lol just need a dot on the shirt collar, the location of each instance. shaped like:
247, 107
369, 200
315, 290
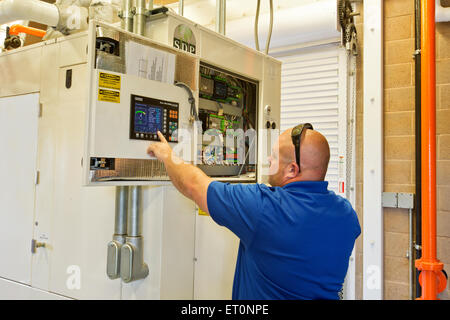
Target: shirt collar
308, 186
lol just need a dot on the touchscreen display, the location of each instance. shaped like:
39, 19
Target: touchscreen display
149, 115
147, 119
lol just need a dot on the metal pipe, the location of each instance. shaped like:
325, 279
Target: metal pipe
181, 7
140, 18
135, 213
120, 222
33, 10
418, 160
221, 15
127, 15
410, 256
15, 29
132, 265
428, 264
119, 237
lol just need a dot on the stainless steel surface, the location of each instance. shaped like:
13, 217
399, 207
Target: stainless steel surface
406, 200
389, 199
119, 237
125, 257
120, 225
132, 265
127, 15
135, 214
140, 17
221, 16
113, 260
181, 7
103, 32
126, 263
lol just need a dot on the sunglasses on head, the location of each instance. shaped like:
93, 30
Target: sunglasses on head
296, 136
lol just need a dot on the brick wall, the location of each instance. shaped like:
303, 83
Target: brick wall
399, 151
399, 148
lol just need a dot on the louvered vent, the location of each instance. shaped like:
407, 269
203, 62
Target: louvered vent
311, 91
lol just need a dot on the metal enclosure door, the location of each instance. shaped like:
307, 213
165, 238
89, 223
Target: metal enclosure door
216, 250
18, 145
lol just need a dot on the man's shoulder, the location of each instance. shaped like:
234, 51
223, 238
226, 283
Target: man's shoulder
243, 186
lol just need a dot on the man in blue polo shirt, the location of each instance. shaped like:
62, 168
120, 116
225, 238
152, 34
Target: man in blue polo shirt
296, 237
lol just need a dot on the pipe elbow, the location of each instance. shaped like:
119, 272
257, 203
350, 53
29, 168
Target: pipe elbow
33, 10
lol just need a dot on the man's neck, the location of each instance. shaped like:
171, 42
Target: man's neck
303, 176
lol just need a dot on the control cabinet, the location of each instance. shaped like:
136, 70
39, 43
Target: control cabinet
95, 100
216, 119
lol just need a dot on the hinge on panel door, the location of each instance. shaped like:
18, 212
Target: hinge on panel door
40, 110
35, 245
37, 177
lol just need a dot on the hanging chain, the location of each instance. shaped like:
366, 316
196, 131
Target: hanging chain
350, 126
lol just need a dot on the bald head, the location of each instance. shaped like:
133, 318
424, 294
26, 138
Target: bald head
314, 158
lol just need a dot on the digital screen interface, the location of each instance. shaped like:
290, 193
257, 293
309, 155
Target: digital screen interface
149, 115
147, 118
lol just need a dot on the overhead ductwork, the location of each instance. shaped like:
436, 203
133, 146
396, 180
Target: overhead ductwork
32, 10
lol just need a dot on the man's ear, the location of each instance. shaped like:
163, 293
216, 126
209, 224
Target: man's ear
291, 170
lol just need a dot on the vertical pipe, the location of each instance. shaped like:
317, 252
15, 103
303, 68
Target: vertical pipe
135, 213
120, 233
140, 18
428, 264
418, 160
410, 256
127, 16
181, 7
428, 127
120, 225
221, 16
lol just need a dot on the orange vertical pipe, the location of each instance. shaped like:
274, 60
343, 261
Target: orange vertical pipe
428, 264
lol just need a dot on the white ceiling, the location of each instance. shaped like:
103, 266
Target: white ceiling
204, 11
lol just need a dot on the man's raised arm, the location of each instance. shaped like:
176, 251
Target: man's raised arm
188, 179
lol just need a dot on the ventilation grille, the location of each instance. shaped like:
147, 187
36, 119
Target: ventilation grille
310, 92
132, 169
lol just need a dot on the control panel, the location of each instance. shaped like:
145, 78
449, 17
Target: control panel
227, 111
150, 115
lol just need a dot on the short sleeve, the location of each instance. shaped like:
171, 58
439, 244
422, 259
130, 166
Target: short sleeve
236, 207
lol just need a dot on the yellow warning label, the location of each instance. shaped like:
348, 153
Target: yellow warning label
108, 80
109, 95
202, 213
